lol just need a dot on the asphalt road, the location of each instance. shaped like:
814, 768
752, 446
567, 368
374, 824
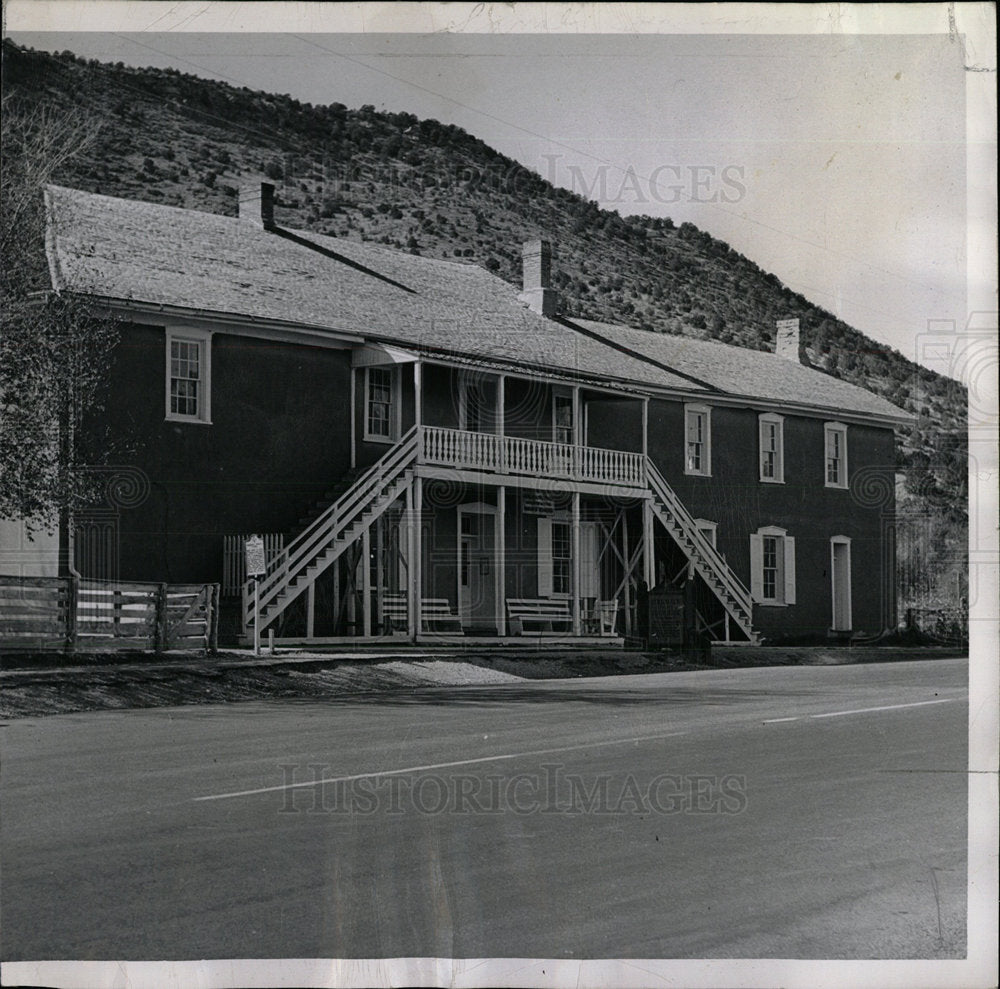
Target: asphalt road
792, 813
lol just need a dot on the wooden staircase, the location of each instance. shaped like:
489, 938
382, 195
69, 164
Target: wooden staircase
706, 559
331, 532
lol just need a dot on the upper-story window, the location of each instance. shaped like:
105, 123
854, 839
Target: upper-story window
381, 404
477, 404
835, 442
189, 365
698, 440
772, 566
772, 448
562, 418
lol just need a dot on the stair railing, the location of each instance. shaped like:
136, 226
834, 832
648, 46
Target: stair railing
340, 516
713, 559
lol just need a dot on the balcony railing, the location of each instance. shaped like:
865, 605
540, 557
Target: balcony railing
533, 458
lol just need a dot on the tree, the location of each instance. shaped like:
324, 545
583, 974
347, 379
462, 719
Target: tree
54, 348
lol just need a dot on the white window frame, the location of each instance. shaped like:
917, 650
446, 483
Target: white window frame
566, 395
546, 560
690, 411
203, 340
764, 421
708, 530
395, 404
830, 430
834, 542
785, 584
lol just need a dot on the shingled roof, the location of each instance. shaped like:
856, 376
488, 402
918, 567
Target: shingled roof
738, 371
155, 255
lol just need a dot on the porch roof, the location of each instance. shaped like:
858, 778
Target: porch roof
146, 253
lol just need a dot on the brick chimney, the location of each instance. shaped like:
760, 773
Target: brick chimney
257, 204
536, 260
787, 343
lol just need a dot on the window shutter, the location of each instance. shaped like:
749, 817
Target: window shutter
757, 568
789, 570
544, 558
779, 442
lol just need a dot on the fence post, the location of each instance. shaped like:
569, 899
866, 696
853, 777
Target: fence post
116, 614
160, 642
213, 619
72, 597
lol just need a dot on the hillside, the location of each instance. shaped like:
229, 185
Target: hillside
433, 189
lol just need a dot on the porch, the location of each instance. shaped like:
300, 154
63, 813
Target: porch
477, 532
456, 557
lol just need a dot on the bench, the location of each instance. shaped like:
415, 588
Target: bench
542, 612
603, 616
435, 614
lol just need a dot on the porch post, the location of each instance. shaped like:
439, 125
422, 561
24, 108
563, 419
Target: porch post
645, 426
627, 573
366, 583
379, 570
351, 575
311, 610
501, 423
577, 427
418, 551
501, 581
648, 554
411, 587
354, 427
576, 562
336, 596
418, 393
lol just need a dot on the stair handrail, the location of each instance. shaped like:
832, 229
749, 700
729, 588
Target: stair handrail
735, 586
336, 517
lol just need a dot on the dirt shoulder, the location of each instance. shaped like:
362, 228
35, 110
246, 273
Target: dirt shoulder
36, 686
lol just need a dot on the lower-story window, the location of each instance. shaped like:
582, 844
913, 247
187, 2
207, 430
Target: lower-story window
562, 558
772, 566
555, 557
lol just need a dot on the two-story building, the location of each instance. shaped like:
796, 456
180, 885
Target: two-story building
431, 451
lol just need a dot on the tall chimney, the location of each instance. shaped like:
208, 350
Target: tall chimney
536, 260
787, 343
257, 204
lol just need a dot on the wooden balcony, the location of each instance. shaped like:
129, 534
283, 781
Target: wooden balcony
512, 455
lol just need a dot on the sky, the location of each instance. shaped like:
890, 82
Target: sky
835, 161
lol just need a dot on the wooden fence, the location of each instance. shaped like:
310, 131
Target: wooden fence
73, 614
234, 564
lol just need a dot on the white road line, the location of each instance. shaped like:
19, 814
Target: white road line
859, 710
890, 707
438, 765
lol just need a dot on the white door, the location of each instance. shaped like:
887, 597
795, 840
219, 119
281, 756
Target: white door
477, 569
840, 580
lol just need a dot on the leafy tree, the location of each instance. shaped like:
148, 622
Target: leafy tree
54, 348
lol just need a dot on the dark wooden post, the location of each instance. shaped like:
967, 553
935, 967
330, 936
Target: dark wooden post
213, 619
72, 598
116, 614
160, 642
